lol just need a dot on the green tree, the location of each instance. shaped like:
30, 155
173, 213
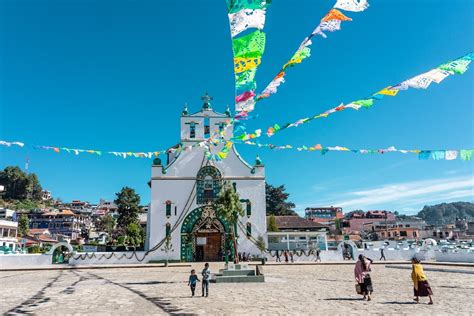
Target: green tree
229, 206
276, 200
272, 225
447, 213
23, 225
19, 185
128, 207
35, 249
26, 205
134, 234
107, 224
15, 182
338, 226
33, 187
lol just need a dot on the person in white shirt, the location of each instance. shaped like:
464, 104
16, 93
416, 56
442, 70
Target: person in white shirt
206, 276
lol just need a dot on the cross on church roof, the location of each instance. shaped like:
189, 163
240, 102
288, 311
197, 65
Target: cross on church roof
206, 98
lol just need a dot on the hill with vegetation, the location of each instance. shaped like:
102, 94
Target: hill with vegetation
22, 191
447, 213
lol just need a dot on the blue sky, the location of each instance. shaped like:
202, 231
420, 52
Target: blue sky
114, 75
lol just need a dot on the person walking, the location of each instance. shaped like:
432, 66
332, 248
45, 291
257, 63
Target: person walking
421, 287
193, 279
382, 254
206, 276
362, 276
278, 259
285, 254
318, 255
291, 256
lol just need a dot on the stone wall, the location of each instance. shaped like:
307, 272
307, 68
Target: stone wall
454, 256
394, 255
24, 260
98, 258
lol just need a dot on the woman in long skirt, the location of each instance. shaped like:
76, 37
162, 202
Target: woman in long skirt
362, 276
421, 287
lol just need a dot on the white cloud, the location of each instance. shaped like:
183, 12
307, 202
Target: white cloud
408, 195
451, 172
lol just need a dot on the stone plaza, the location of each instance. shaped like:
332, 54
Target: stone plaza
288, 289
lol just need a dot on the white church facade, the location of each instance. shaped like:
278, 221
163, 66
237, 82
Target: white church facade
184, 187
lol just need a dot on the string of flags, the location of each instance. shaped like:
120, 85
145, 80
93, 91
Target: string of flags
422, 81
124, 155
150, 154
331, 22
463, 154
222, 154
247, 49
212, 143
9, 144
208, 144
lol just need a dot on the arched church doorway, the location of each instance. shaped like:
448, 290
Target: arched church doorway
205, 236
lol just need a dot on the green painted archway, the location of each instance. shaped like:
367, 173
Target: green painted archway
199, 216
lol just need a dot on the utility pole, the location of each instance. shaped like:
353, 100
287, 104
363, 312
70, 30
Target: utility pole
27, 164
28, 188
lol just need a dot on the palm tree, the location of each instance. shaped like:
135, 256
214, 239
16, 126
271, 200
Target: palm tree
228, 205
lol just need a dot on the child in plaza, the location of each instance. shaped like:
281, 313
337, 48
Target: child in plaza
193, 279
421, 287
206, 276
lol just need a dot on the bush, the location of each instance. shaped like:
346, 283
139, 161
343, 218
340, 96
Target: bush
121, 240
35, 249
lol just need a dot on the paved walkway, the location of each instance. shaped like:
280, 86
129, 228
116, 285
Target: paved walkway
162, 265
303, 289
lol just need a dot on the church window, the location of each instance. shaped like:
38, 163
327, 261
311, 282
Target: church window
208, 188
207, 131
168, 230
175, 210
249, 230
192, 130
249, 208
208, 184
168, 208
221, 127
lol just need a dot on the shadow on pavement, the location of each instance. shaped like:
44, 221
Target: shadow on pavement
343, 299
151, 282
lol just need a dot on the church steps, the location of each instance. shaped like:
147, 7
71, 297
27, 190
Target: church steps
224, 272
238, 279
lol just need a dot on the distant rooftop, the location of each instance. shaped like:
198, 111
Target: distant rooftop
63, 212
296, 223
